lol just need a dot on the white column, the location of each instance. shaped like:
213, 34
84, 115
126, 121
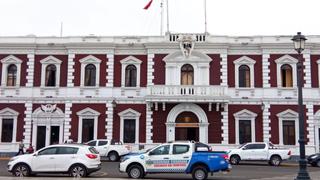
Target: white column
307, 68
225, 124
150, 71
70, 77
30, 70
67, 121
224, 69
149, 119
265, 70
109, 120
266, 122
27, 123
110, 70
311, 123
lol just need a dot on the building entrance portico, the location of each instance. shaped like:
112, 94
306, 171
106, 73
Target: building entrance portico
187, 121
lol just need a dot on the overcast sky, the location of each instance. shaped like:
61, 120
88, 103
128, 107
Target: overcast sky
127, 17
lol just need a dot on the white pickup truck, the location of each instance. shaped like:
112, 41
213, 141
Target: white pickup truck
110, 148
259, 152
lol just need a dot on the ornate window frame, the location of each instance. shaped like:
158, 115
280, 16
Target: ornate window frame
130, 60
88, 113
245, 115
291, 61
129, 114
291, 116
6, 62
90, 59
8, 113
44, 64
244, 60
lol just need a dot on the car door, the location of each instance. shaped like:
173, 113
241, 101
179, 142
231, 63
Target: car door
158, 160
65, 157
44, 160
181, 155
260, 151
102, 147
247, 152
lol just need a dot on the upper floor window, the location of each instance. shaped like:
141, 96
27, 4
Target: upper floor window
90, 71
51, 71
130, 72
11, 70
286, 75
187, 75
12, 75
244, 76
286, 71
244, 72
131, 76
90, 75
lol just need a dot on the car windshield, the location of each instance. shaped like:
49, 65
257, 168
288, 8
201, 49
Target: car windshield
241, 145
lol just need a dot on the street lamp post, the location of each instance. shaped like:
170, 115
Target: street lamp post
299, 42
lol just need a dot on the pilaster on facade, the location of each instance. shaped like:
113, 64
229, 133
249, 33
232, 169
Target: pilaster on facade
110, 70
310, 123
109, 120
224, 69
67, 121
70, 77
30, 70
266, 123
27, 123
150, 71
266, 70
149, 120
307, 69
225, 124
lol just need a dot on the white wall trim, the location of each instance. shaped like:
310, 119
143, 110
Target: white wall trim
70, 74
110, 70
130, 60
5, 64
245, 115
244, 60
8, 113
46, 62
317, 126
266, 70
287, 59
318, 62
288, 115
88, 113
90, 59
129, 114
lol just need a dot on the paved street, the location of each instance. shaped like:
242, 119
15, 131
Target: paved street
243, 171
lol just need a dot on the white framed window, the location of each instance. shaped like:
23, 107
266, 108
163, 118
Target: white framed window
288, 124
8, 77
246, 119
50, 72
88, 124
284, 78
130, 72
8, 125
247, 77
318, 72
90, 65
129, 125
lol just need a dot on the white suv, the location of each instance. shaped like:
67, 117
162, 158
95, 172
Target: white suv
110, 148
76, 160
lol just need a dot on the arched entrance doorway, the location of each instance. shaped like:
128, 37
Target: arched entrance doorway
187, 127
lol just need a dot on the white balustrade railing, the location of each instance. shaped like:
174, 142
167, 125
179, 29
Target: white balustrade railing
196, 90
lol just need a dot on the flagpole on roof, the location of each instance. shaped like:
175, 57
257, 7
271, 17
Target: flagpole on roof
205, 16
161, 26
167, 17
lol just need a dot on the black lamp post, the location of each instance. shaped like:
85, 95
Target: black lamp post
299, 42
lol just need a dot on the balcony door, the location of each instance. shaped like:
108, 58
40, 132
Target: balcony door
187, 75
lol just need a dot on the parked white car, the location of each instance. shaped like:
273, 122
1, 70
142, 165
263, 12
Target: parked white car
110, 148
259, 152
76, 160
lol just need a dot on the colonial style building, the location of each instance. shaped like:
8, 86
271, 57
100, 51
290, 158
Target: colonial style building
146, 90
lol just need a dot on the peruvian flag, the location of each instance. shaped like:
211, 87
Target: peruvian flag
148, 5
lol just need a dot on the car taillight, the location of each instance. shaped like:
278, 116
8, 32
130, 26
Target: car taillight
225, 156
91, 156
289, 153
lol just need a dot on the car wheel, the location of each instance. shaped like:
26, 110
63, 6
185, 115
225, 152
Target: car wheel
21, 170
113, 156
135, 172
275, 161
78, 171
318, 163
199, 173
234, 160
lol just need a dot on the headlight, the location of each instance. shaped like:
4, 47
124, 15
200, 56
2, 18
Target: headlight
124, 159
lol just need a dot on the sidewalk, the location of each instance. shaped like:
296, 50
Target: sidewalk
315, 175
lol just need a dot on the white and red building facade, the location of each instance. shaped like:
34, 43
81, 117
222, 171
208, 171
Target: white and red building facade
147, 90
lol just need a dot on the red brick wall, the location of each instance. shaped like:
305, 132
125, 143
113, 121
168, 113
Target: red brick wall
314, 71
215, 68
23, 75
159, 69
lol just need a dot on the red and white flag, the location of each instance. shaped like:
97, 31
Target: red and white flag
148, 5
